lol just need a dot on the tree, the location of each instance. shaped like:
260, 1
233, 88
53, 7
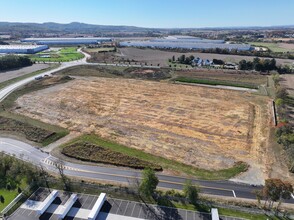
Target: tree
173, 58
279, 102
191, 192
275, 190
59, 165
242, 64
2, 200
148, 183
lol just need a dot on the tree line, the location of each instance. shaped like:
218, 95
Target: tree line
11, 62
285, 130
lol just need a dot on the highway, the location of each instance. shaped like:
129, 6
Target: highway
36, 156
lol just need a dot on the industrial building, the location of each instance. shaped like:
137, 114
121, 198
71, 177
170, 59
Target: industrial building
185, 42
67, 41
22, 49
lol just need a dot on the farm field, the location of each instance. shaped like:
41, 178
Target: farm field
155, 57
99, 50
275, 47
232, 77
191, 125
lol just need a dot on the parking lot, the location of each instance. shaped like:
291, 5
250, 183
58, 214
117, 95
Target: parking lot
112, 209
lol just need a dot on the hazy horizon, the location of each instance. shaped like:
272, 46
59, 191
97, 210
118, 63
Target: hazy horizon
152, 14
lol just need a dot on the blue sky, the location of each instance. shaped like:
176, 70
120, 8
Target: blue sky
152, 13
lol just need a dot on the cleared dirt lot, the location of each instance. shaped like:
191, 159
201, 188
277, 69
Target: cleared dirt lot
7, 75
189, 124
161, 57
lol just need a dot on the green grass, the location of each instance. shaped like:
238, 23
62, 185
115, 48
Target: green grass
164, 163
274, 47
215, 82
178, 65
63, 55
95, 153
236, 213
14, 80
99, 50
9, 195
222, 211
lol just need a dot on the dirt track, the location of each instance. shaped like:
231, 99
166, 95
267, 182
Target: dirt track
189, 124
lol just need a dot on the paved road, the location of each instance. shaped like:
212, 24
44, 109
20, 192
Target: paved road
37, 157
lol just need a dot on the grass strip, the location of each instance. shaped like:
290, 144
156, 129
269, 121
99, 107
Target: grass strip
93, 153
163, 162
215, 82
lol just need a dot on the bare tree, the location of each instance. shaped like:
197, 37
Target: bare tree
59, 165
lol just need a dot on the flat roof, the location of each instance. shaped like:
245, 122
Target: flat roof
112, 209
19, 46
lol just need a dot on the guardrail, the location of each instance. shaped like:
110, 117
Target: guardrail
12, 203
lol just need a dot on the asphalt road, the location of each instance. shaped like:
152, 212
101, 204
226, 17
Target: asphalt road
32, 154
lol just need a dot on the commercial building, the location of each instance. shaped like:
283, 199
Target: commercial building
185, 42
67, 41
22, 49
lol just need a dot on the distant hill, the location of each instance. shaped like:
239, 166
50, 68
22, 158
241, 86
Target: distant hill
74, 27
82, 28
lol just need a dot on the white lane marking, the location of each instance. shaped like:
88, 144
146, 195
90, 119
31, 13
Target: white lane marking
234, 193
126, 208
133, 209
118, 207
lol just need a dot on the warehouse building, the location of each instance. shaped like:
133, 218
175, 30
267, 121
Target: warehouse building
22, 49
67, 41
185, 42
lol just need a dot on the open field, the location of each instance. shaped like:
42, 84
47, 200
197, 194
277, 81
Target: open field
7, 75
190, 125
99, 50
161, 57
287, 81
275, 47
118, 72
28, 128
224, 75
63, 55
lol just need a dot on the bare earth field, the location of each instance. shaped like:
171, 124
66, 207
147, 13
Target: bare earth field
287, 81
161, 57
7, 75
203, 127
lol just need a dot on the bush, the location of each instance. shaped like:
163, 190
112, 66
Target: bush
11, 62
2, 200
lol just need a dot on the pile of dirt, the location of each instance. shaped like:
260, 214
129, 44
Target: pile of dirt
89, 152
118, 72
31, 133
147, 73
